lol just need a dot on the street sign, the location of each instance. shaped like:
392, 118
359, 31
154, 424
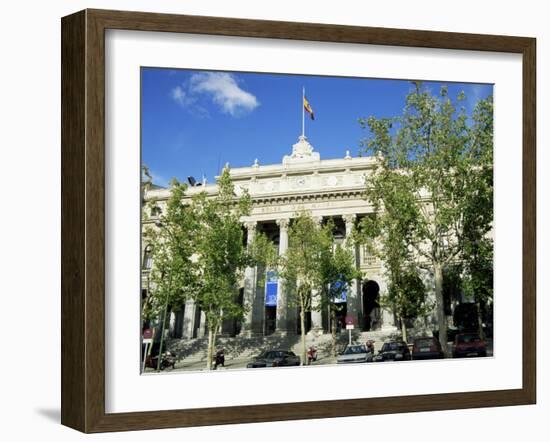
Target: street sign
147, 338
350, 320
147, 335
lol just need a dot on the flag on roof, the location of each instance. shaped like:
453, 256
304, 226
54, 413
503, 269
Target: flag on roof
308, 108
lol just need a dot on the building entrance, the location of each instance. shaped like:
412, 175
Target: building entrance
270, 318
341, 313
371, 307
307, 322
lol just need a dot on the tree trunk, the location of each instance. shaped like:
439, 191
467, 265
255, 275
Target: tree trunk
214, 337
441, 317
163, 326
403, 329
303, 332
162, 329
210, 349
333, 330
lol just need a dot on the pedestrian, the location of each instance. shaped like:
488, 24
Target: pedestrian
219, 358
370, 346
311, 355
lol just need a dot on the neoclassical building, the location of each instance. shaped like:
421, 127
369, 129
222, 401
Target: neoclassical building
327, 188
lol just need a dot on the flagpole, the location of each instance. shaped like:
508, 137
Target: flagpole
303, 111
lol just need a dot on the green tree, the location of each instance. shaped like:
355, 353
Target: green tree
432, 164
299, 269
169, 239
387, 234
264, 254
477, 282
407, 296
477, 256
337, 272
220, 255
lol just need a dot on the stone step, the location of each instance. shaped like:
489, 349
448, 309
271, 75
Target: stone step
195, 350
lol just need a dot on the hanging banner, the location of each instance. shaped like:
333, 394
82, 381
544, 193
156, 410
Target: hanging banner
340, 295
271, 287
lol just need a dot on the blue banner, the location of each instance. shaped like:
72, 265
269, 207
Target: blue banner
271, 287
339, 296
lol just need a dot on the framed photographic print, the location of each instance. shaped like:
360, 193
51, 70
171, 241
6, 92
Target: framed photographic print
274, 220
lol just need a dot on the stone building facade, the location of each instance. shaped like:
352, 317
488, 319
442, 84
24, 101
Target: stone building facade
327, 188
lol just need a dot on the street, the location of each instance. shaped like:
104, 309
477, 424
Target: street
197, 363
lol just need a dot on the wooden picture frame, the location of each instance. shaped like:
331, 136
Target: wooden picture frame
83, 219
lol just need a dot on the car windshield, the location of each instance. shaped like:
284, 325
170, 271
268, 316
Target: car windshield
355, 349
427, 342
272, 354
468, 338
392, 346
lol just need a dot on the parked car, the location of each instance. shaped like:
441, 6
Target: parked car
393, 351
355, 353
427, 347
451, 333
274, 358
469, 345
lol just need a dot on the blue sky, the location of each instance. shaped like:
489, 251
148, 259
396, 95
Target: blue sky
193, 122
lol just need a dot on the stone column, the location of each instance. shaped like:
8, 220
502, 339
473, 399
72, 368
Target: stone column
188, 319
172, 324
202, 325
316, 313
282, 322
387, 322
249, 294
353, 298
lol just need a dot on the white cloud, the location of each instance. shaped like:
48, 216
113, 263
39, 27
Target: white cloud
181, 97
221, 88
224, 90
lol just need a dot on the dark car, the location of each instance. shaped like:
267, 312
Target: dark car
427, 347
469, 345
393, 351
274, 358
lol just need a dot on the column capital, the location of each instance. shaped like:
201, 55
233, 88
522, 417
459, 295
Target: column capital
349, 218
283, 223
318, 220
251, 225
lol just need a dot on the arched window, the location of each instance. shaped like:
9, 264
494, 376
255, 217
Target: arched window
148, 258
